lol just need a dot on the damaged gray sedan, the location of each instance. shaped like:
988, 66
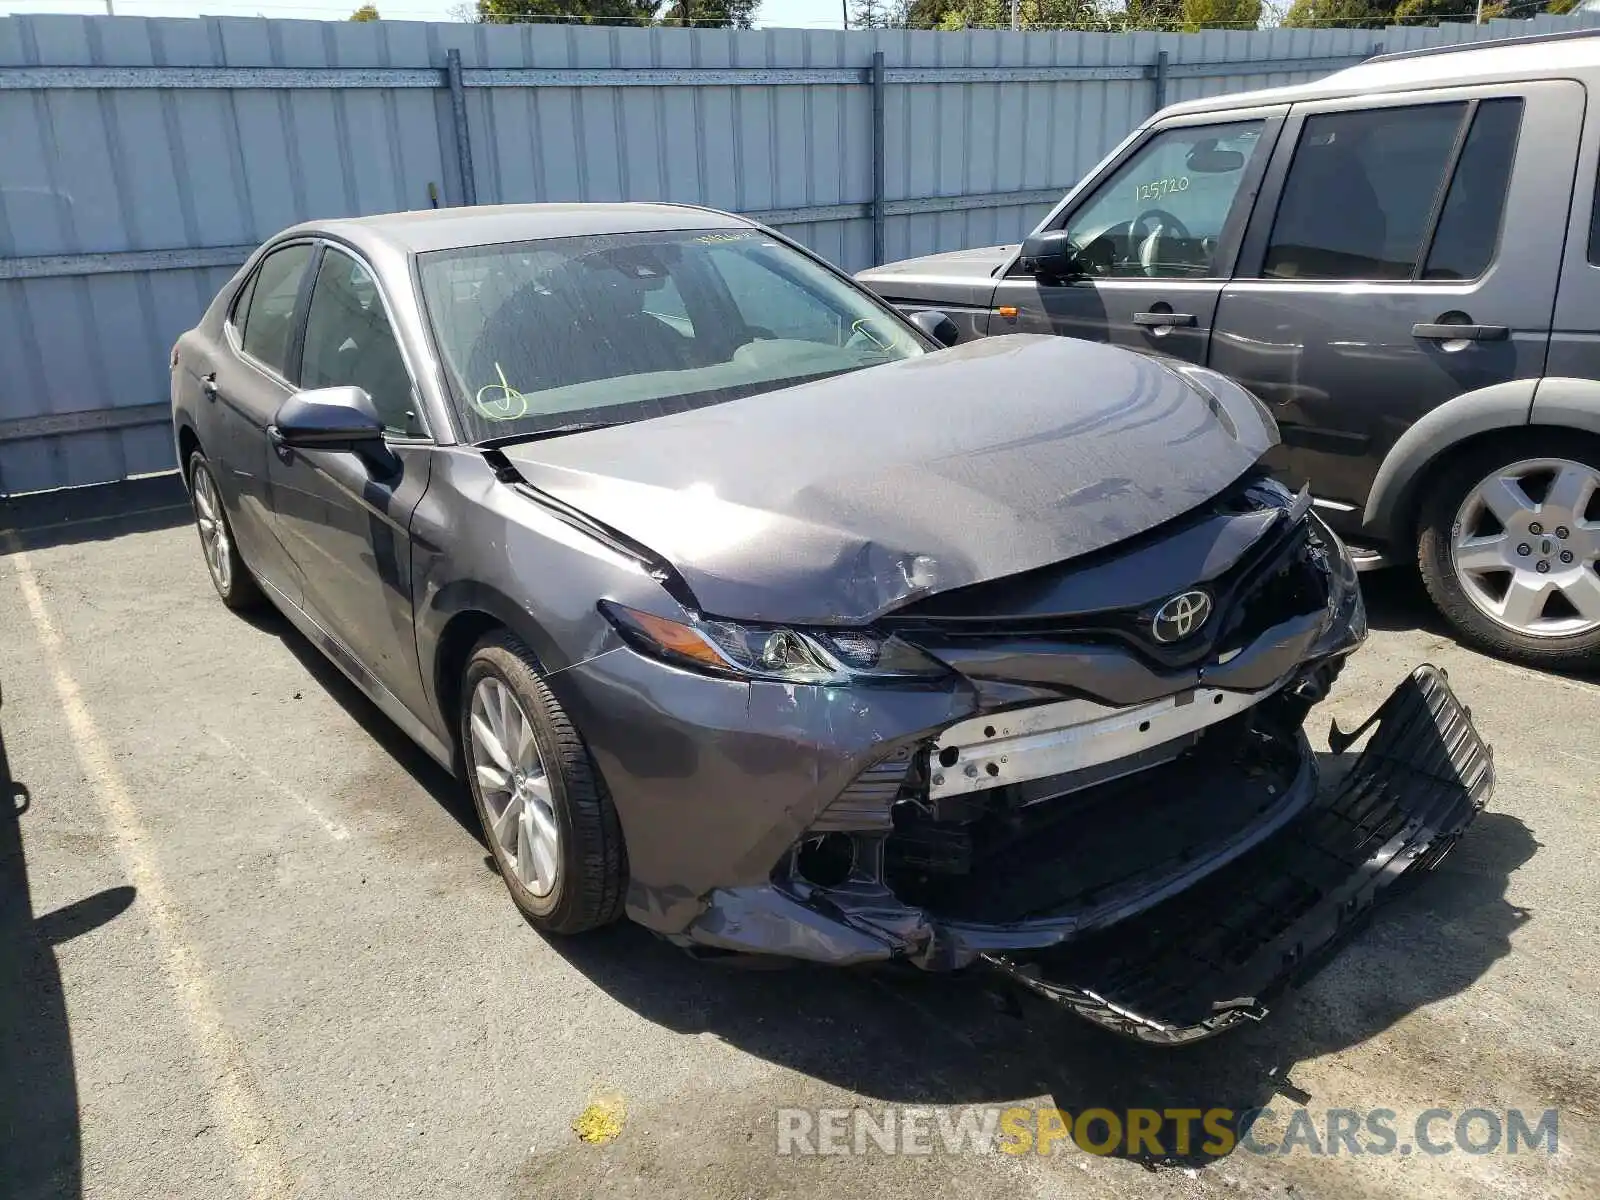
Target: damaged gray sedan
747, 610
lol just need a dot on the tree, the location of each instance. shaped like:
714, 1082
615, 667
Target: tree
723, 14
990, 14
1221, 14
1341, 14
367, 12
1155, 14
738, 14
871, 14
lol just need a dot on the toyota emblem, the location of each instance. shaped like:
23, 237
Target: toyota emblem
1180, 616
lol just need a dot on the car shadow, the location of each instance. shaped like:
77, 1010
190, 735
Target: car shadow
40, 1143
446, 790
904, 1037
1397, 601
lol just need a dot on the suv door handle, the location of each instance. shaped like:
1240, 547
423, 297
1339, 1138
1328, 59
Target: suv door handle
208, 385
1165, 320
1465, 333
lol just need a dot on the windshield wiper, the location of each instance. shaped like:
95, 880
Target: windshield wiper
538, 435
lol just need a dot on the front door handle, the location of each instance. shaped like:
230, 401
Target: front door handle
1165, 320
1465, 333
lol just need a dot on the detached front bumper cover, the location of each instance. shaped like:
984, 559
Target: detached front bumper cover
1216, 954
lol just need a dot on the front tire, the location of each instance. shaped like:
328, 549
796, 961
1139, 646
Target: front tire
229, 575
545, 810
1507, 543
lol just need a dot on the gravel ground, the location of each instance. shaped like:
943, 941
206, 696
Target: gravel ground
252, 947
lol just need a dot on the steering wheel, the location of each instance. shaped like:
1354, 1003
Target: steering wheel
1161, 224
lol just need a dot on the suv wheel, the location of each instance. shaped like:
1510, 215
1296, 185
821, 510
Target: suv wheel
1508, 541
546, 814
231, 577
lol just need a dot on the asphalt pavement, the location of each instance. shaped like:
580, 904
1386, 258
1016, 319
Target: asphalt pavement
250, 945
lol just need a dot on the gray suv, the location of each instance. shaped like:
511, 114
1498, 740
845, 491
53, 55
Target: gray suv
1403, 261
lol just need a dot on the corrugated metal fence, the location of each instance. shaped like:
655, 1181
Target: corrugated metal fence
141, 160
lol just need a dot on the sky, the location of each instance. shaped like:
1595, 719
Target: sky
805, 14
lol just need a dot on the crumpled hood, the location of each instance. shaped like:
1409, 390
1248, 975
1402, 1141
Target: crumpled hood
840, 500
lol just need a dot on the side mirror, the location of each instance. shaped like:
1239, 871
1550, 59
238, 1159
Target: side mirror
331, 418
936, 325
1050, 255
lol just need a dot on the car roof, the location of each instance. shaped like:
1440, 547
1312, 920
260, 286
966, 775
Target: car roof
1569, 54
428, 229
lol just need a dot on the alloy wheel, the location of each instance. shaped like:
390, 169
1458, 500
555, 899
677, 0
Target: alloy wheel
213, 529
1525, 543
515, 787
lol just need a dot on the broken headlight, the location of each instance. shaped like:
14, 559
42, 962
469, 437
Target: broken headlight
1347, 611
778, 652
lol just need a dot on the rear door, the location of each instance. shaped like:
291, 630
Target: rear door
245, 384
1158, 233
1403, 252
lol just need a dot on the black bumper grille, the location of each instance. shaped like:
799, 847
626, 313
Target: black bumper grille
1216, 953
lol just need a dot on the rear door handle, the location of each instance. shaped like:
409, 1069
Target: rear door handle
1465, 333
1165, 320
208, 385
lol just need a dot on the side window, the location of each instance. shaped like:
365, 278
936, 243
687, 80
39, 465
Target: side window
1360, 192
268, 310
1594, 226
774, 306
349, 341
1162, 212
241, 302
1469, 224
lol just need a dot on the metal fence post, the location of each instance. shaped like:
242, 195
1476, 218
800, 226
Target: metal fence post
878, 150
458, 110
1161, 79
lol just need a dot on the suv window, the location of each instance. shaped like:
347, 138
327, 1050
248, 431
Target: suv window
1162, 212
349, 341
1360, 192
1469, 224
1594, 227
267, 311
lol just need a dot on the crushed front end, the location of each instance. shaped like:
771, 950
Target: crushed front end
1129, 818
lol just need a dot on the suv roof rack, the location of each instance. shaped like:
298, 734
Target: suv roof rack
1528, 39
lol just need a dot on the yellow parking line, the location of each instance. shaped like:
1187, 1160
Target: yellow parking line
234, 1093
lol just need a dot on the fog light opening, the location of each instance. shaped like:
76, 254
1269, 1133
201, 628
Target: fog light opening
826, 861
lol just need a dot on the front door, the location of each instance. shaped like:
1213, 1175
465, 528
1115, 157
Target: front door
345, 516
1156, 237
1379, 278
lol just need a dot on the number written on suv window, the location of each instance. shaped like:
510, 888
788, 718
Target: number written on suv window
1162, 212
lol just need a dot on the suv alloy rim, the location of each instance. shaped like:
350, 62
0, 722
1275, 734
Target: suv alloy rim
515, 787
1525, 551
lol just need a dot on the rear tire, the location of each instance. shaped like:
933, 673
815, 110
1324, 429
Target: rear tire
546, 814
229, 575
1507, 541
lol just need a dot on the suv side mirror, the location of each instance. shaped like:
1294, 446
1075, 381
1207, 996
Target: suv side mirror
936, 325
331, 418
1050, 255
